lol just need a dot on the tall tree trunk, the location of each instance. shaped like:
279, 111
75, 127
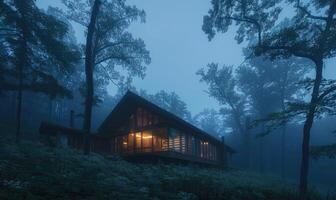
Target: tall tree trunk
50, 108
283, 149
19, 105
261, 156
22, 61
261, 150
89, 76
13, 107
247, 143
306, 131
283, 139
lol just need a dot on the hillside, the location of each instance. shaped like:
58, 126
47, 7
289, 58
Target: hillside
35, 171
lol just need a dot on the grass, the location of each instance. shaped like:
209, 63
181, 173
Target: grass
35, 171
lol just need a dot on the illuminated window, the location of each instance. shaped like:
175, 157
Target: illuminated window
202, 149
160, 139
124, 143
174, 140
138, 141
188, 144
165, 144
147, 141
157, 142
130, 146
205, 149
183, 142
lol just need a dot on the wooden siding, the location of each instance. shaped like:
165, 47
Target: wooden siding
144, 135
137, 127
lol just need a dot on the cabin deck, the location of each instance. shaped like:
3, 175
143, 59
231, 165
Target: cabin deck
163, 156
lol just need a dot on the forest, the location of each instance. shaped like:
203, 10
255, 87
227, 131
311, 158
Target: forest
69, 62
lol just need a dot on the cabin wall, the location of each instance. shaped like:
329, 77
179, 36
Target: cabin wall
165, 139
146, 132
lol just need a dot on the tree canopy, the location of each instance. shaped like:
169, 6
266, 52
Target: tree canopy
310, 32
34, 40
170, 102
118, 55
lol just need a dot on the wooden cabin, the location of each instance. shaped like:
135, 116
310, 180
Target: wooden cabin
139, 130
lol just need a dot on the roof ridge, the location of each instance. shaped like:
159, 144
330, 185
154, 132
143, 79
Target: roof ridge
129, 92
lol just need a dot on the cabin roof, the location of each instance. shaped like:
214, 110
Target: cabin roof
130, 101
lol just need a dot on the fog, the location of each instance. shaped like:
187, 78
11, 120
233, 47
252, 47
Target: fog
173, 34
179, 49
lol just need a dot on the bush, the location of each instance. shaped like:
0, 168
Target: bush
34, 171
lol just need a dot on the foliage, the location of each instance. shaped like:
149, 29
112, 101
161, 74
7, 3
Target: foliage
34, 48
296, 111
210, 121
308, 33
224, 88
117, 55
323, 151
251, 17
170, 102
34, 171
304, 35
265, 81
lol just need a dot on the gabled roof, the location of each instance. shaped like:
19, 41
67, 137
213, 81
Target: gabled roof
131, 101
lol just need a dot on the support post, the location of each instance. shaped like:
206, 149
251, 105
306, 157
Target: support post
152, 141
224, 153
180, 134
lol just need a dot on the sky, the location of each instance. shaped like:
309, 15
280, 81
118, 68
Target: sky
179, 48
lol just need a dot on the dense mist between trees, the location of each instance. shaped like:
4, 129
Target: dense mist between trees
276, 108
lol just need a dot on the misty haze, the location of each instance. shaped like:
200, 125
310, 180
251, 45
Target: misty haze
154, 99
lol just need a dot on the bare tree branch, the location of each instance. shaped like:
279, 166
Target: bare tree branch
311, 16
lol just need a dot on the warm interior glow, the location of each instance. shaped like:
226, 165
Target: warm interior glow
138, 140
147, 140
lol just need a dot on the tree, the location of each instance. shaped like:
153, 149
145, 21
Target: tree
256, 81
170, 102
324, 151
309, 33
89, 62
222, 86
73, 81
210, 121
36, 50
269, 85
110, 51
